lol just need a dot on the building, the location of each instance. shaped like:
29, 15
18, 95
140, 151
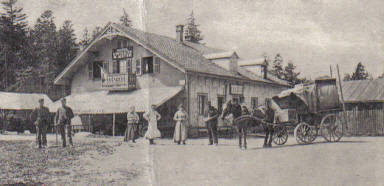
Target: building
16, 107
124, 66
364, 103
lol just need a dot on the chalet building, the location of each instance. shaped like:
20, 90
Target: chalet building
124, 66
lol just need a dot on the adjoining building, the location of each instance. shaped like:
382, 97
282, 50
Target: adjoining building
364, 103
124, 66
15, 109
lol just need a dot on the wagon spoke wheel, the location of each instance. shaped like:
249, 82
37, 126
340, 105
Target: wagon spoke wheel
305, 134
280, 136
331, 128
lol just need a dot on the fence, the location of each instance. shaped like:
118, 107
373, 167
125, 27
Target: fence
364, 122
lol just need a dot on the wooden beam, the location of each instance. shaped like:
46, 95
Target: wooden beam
342, 97
113, 124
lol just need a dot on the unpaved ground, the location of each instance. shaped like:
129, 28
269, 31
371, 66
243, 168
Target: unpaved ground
354, 161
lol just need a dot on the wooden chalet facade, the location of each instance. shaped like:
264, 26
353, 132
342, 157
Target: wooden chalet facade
124, 66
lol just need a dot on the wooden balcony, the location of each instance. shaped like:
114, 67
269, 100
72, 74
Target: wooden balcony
118, 81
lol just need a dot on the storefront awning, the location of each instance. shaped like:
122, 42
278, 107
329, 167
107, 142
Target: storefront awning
104, 102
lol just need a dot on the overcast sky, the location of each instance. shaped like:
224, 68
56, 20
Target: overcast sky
314, 34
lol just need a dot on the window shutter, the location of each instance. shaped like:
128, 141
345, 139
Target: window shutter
110, 68
138, 66
157, 65
129, 66
106, 66
90, 70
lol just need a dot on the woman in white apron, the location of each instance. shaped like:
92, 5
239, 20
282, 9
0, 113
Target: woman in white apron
152, 117
181, 118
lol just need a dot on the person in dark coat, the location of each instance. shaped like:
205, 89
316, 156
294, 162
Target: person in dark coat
211, 121
63, 121
40, 116
269, 118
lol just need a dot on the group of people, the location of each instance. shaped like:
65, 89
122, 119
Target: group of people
62, 120
211, 120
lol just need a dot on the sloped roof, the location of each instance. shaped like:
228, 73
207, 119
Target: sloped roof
203, 49
363, 91
21, 101
271, 78
218, 55
247, 62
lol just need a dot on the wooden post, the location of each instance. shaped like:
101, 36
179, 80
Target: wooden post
113, 124
330, 69
342, 97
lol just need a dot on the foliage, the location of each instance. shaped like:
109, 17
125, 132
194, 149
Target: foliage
192, 33
277, 66
290, 75
67, 46
124, 19
360, 73
85, 40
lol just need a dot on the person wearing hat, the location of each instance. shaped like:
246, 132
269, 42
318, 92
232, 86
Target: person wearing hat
132, 125
211, 121
181, 118
40, 116
269, 118
152, 117
63, 118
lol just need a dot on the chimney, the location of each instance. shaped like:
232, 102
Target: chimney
179, 33
265, 68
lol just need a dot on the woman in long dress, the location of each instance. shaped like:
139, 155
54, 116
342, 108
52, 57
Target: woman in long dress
181, 118
152, 117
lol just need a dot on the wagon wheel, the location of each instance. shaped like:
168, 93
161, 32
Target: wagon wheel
280, 136
331, 128
305, 134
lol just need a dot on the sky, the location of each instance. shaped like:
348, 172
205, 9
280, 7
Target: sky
313, 34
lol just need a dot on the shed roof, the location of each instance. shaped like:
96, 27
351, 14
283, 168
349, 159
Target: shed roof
363, 91
21, 101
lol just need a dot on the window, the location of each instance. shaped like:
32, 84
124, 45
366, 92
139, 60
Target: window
115, 67
157, 65
94, 71
129, 65
138, 66
202, 101
220, 103
123, 66
106, 66
254, 102
241, 99
147, 65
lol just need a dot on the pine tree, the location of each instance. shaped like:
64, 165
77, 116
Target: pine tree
360, 72
67, 46
124, 19
13, 41
347, 77
85, 40
290, 75
192, 33
277, 66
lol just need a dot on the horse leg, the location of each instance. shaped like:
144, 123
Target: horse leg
245, 137
239, 133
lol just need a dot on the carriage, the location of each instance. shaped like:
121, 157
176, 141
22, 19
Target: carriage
309, 110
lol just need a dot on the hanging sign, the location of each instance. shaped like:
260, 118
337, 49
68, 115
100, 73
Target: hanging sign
122, 53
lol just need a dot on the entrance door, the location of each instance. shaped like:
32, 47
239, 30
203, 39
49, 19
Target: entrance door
220, 103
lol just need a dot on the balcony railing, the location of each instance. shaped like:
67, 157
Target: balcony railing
118, 81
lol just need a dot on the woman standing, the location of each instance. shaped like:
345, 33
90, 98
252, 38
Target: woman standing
132, 125
181, 118
152, 117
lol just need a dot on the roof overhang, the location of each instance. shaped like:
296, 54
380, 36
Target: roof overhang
110, 31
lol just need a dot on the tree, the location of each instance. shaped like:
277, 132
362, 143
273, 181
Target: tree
277, 66
13, 38
347, 77
67, 46
192, 33
290, 75
96, 32
85, 40
360, 72
124, 19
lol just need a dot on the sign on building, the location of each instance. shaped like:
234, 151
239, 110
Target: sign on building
118, 81
236, 89
122, 53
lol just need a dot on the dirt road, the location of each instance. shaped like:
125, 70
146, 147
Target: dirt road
354, 161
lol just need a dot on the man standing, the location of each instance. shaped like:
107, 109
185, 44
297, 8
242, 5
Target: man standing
211, 121
40, 116
269, 118
63, 121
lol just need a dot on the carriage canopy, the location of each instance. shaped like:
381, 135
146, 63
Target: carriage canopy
318, 97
